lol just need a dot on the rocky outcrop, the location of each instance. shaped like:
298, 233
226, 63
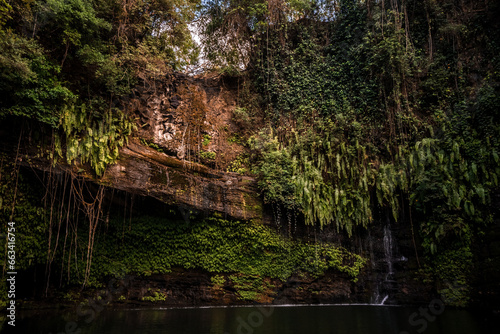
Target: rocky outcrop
194, 288
144, 171
180, 154
190, 118
188, 139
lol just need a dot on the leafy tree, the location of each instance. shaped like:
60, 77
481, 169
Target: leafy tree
29, 81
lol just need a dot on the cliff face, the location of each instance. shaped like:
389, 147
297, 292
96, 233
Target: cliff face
186, 140
180, 154
186, 115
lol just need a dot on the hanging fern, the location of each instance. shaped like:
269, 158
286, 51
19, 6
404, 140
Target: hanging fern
91, 140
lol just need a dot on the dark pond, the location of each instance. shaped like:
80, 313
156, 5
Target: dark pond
351, 319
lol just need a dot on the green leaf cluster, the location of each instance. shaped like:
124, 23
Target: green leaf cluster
218, 246
207, 155
91, 140
29, 81
323, 171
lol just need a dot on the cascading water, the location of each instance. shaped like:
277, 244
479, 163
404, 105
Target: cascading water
388, 251
388, 258
385, 280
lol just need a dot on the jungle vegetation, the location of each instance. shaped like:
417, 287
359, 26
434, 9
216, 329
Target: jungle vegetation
369, 106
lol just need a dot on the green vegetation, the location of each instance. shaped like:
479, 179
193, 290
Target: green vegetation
245, 249
93, 141
365, 109
234, 138
251, 287
239, 165
156, 296
242, 118
218, 281
347, 130
207, 155
20, 203
215, 245
325, 180
206, 140
152, 145
453, 268
372, 105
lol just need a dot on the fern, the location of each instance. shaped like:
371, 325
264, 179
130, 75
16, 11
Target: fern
92, 141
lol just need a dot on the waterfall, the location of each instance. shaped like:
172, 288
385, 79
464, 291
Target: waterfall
388, 251
383, 300
385, 283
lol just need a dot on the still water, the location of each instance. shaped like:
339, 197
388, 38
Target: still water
335, 319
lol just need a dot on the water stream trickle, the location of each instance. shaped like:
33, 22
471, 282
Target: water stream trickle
385, 279
383, 300
388, 251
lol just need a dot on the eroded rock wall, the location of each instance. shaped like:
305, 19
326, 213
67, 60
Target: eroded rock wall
190, 118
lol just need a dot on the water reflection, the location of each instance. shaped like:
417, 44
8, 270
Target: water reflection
349, 319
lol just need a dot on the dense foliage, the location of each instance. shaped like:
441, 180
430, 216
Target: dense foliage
371, 107
375, 105
61, 58
367, 101
245, 252
215, 245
